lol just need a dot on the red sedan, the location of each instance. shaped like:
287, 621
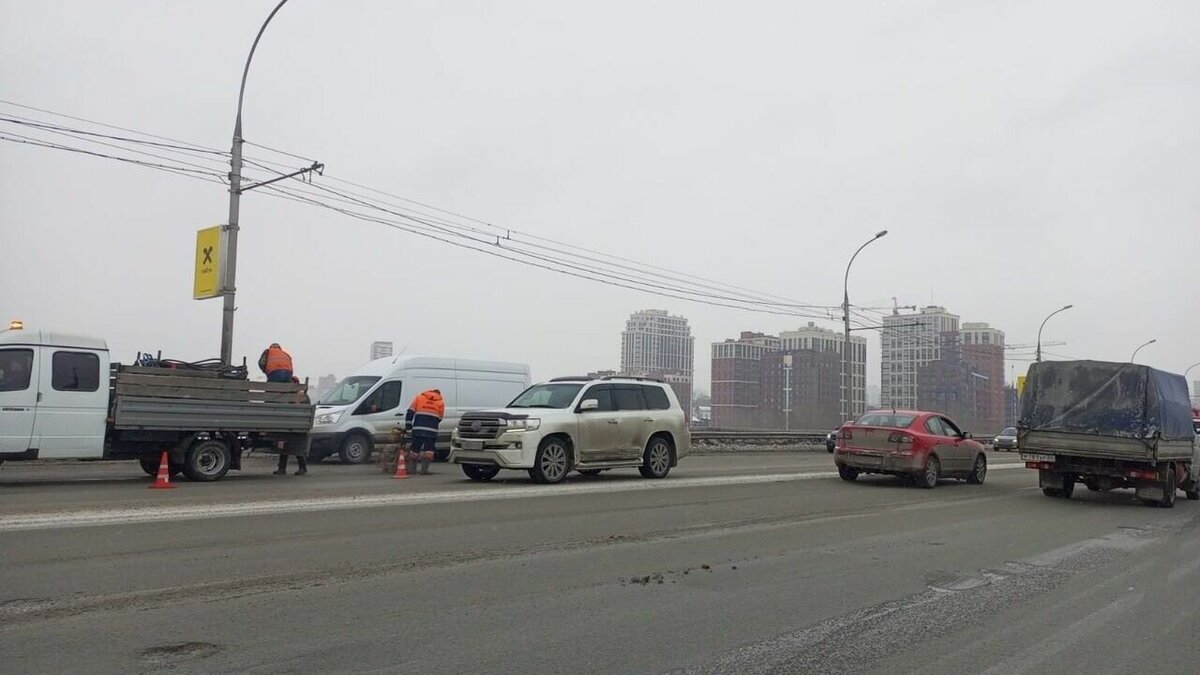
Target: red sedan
923, 446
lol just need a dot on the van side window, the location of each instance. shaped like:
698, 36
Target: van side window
75, 371
386, 397
603, 395
629, 398
15, 368
656, 398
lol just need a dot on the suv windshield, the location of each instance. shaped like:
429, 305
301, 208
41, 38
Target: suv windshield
899, 421
348, 390
1009, 431
547, 396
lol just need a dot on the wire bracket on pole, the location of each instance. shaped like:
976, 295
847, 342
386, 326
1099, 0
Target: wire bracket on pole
317, 168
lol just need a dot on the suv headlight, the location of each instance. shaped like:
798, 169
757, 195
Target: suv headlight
528, 424
329, 417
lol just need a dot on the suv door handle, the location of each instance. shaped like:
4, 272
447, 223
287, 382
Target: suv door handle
647, 419
612, 421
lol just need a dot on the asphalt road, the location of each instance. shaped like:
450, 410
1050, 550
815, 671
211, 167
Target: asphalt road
746, 564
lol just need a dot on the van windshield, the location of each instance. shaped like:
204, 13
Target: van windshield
348, 390
547, 396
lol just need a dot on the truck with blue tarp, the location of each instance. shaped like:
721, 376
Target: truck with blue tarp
1107, 426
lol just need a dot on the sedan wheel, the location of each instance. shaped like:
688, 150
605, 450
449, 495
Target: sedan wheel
928, 478
979, 472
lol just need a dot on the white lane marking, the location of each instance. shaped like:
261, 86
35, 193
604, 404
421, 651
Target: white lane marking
152, 514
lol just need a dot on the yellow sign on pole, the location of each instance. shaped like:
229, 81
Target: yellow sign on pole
1020, 385
207, 282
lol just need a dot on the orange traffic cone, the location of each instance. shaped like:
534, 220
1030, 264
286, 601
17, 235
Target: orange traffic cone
401, 465
163, 480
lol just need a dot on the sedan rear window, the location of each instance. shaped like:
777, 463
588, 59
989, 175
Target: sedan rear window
877, 419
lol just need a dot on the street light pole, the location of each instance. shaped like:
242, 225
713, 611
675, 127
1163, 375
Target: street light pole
845, 397
1038, 358
229, 285
1145, 344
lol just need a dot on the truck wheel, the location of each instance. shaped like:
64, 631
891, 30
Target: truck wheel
1169, 487
1193, 495
150, 466
480, 471
979, 472
356, 449
207, 461
1052, 492
552, 462
848, 473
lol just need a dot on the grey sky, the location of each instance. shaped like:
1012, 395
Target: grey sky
1023, 155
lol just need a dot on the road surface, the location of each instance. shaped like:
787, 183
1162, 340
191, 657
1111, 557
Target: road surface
753, 564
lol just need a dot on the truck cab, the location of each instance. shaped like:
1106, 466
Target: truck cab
54, 393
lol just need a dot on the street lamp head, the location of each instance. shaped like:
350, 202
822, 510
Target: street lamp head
1152, 341
1068, 306
880, 233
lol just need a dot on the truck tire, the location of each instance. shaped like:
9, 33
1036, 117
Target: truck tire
356, 449
150, 466
1169, 487
207, 461
1193, 495
1065, 491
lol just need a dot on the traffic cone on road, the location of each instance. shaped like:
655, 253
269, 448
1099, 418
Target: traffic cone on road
163, 480
401, 465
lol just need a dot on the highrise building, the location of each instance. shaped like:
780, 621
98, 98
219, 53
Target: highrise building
909, 342
737, 380
982, 349
324, 384
657, 344
380, 350
821, 339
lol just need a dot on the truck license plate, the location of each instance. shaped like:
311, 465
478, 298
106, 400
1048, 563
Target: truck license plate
1036, 457
472, 445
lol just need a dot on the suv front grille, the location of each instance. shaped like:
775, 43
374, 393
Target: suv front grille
485, 428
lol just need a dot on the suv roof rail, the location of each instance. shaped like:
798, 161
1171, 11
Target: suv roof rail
638, 378
571, 378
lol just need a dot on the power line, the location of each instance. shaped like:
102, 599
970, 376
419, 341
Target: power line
191, 173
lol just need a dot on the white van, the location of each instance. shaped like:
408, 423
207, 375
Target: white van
364, 408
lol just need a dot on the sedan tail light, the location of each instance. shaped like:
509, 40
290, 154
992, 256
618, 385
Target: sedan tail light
899, 437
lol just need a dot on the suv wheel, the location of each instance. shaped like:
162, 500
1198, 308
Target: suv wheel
552, 462
656, 461
355, 449
480, 471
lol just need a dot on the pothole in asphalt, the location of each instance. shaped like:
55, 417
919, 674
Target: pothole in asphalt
183, 651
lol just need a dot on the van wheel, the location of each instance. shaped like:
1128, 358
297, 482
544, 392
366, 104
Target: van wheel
207, 461
979, 472
656, 461
552, 462
356, 449
480, 471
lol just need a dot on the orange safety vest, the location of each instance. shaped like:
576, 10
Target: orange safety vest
429, 403
277, 359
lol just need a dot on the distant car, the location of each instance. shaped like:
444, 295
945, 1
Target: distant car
1005, 440
831, 439
923, 446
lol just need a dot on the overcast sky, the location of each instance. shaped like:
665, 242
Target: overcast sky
1023, 155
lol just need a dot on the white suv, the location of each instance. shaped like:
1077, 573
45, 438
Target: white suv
576, 424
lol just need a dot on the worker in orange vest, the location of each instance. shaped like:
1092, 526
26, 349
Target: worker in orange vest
276, 364
422, 420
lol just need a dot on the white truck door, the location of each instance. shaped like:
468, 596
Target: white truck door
74, 403
18, 397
